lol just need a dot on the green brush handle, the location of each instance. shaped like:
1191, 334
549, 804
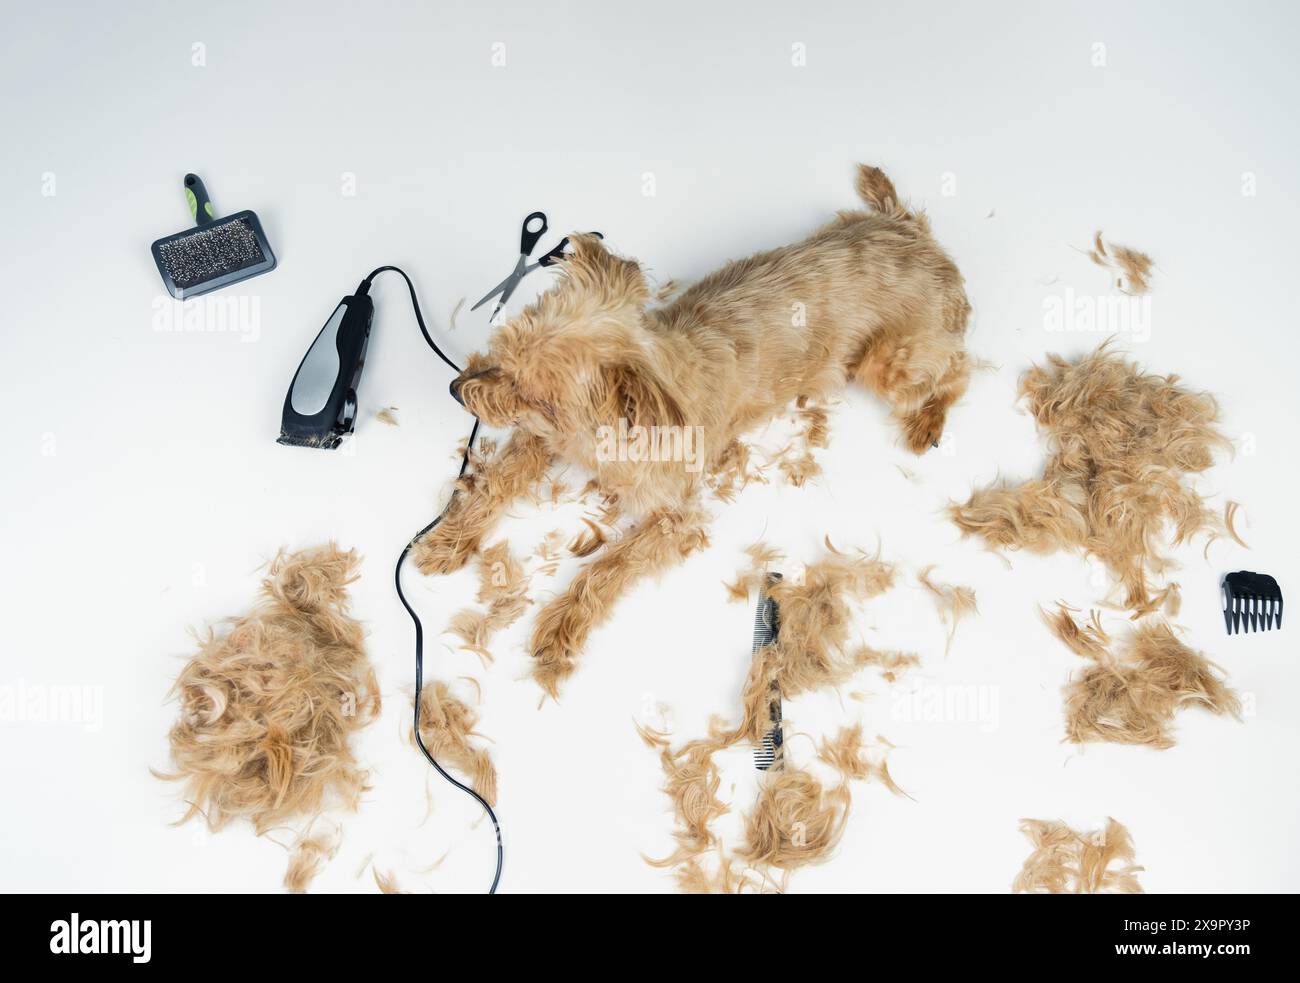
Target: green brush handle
197, 195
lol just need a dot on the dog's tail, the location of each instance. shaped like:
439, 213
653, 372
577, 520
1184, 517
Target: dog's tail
878, 191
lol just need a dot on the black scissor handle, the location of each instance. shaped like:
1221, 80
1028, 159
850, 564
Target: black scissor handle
557, 254
529, 236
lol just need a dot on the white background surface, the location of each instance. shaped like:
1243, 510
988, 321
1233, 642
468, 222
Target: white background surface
143, 486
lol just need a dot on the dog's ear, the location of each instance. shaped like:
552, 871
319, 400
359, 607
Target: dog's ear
637, 396
614, 282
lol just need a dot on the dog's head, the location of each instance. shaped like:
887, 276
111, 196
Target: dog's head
576, 358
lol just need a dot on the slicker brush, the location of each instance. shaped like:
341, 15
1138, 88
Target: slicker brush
216, 252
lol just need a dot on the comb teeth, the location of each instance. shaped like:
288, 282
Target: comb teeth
767, 625
1252, 602
766, 754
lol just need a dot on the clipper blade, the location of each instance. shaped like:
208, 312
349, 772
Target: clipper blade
1251, 602
327, 441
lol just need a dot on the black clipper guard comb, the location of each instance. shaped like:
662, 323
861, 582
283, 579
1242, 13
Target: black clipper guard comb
767, 626
320, 408
1251, 602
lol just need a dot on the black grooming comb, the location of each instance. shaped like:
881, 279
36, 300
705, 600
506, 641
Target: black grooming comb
767, 625
1251, 602
216, 252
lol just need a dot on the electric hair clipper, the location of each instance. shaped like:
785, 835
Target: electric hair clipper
321, 406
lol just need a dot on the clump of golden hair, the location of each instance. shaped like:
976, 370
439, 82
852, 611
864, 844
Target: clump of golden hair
691, 782
795, 822
853, 757
503, 587
310, 854
1066, 861
1131, 696
386, 881
953, 601
889, 661
446, 726
795, 460
737, 465
735, 470
1122, 445
1133, 266
812, 650
1088, 640
269, 706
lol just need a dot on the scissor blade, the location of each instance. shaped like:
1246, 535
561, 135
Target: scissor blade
507, 286
500, 288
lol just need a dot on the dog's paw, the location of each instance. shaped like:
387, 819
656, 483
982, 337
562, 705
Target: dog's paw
443, 549
923, 428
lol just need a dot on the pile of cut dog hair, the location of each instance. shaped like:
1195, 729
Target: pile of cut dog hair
269, 707
797, 819
1123, 447
1066, 861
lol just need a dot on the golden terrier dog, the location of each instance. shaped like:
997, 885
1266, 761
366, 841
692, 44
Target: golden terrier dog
869, 297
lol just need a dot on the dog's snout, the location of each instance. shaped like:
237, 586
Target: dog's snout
458, 383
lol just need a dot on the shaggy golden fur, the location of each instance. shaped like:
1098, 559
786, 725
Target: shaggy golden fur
1131, 697
812, 650
386, 882
795, 822
309, 856
1123, 444
269, 708
1135, 267
870, 297
890, 663
503, 586
446, 726
953, 601
1066, 861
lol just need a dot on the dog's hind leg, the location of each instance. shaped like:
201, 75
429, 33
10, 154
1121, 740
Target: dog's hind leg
662, 540
921, 370
482, 497
923, 427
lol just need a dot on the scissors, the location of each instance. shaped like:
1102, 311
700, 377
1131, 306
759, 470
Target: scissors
533, 229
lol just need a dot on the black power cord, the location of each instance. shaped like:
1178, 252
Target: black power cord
397, 580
